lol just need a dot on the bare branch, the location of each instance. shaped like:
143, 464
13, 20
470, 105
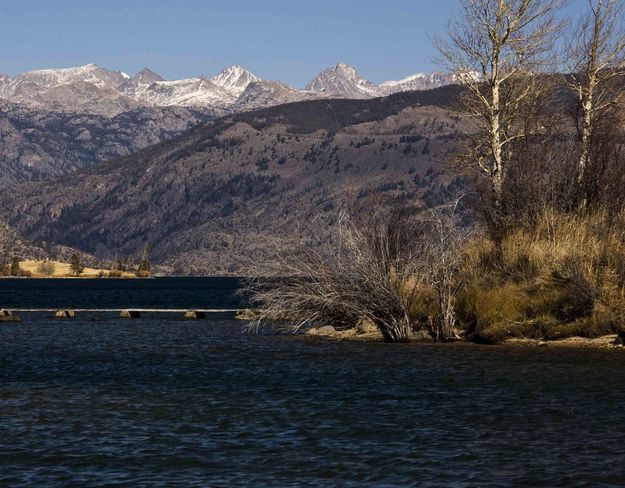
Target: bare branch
596, 59
496, 50
381, 265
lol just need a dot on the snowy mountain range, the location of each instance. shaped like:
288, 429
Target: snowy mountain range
92, 89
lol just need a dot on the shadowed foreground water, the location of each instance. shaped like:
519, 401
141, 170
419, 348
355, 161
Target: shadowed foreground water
165, 402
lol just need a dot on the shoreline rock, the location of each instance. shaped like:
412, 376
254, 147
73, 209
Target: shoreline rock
8, 316
329, 332
248, 314
608, 342
363, 331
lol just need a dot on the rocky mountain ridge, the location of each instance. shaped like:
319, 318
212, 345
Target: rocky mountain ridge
36, 144
95, 90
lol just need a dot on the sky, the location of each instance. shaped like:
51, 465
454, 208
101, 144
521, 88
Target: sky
286, 40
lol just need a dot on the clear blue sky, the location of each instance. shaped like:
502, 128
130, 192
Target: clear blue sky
288, 40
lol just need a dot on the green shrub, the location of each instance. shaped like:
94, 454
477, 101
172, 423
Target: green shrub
76, 266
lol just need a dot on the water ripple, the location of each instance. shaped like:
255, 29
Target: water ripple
163, 402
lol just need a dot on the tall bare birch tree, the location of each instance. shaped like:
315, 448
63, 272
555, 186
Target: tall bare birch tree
496, 48
596, 58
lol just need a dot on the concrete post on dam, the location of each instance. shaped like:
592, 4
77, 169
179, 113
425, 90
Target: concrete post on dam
195, 314
8, 316
130, 314
65, 314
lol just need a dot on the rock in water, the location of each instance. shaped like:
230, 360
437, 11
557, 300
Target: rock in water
247, 314
194, 314
326, 330
620, 339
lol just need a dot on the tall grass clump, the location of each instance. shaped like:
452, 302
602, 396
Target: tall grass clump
563, 276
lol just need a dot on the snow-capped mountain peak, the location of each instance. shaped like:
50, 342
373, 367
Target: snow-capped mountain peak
346, 69
147, 76
235, 79
407, 79
418, 81
89, 73
342, 80
467, 75
93, 89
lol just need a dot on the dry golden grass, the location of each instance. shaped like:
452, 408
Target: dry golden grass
62, 270
563, 277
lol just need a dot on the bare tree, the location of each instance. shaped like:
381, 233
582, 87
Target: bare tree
496, 50
379, 268
596, 58
366, 275
441, 267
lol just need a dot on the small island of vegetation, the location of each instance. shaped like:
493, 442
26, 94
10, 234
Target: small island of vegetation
536, 248
75, 268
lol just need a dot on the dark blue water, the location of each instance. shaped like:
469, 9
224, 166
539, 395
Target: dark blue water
167, 402
122, 293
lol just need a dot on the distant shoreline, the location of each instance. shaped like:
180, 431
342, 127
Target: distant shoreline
53, 269
78, 277
576, 342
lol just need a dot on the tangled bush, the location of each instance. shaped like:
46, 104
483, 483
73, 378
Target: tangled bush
380, 269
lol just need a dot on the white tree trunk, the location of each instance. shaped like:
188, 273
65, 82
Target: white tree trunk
586, 136
496, 144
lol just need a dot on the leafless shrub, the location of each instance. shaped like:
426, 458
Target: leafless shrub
442, 265
376, 270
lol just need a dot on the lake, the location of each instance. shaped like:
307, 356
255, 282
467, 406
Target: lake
159, 401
